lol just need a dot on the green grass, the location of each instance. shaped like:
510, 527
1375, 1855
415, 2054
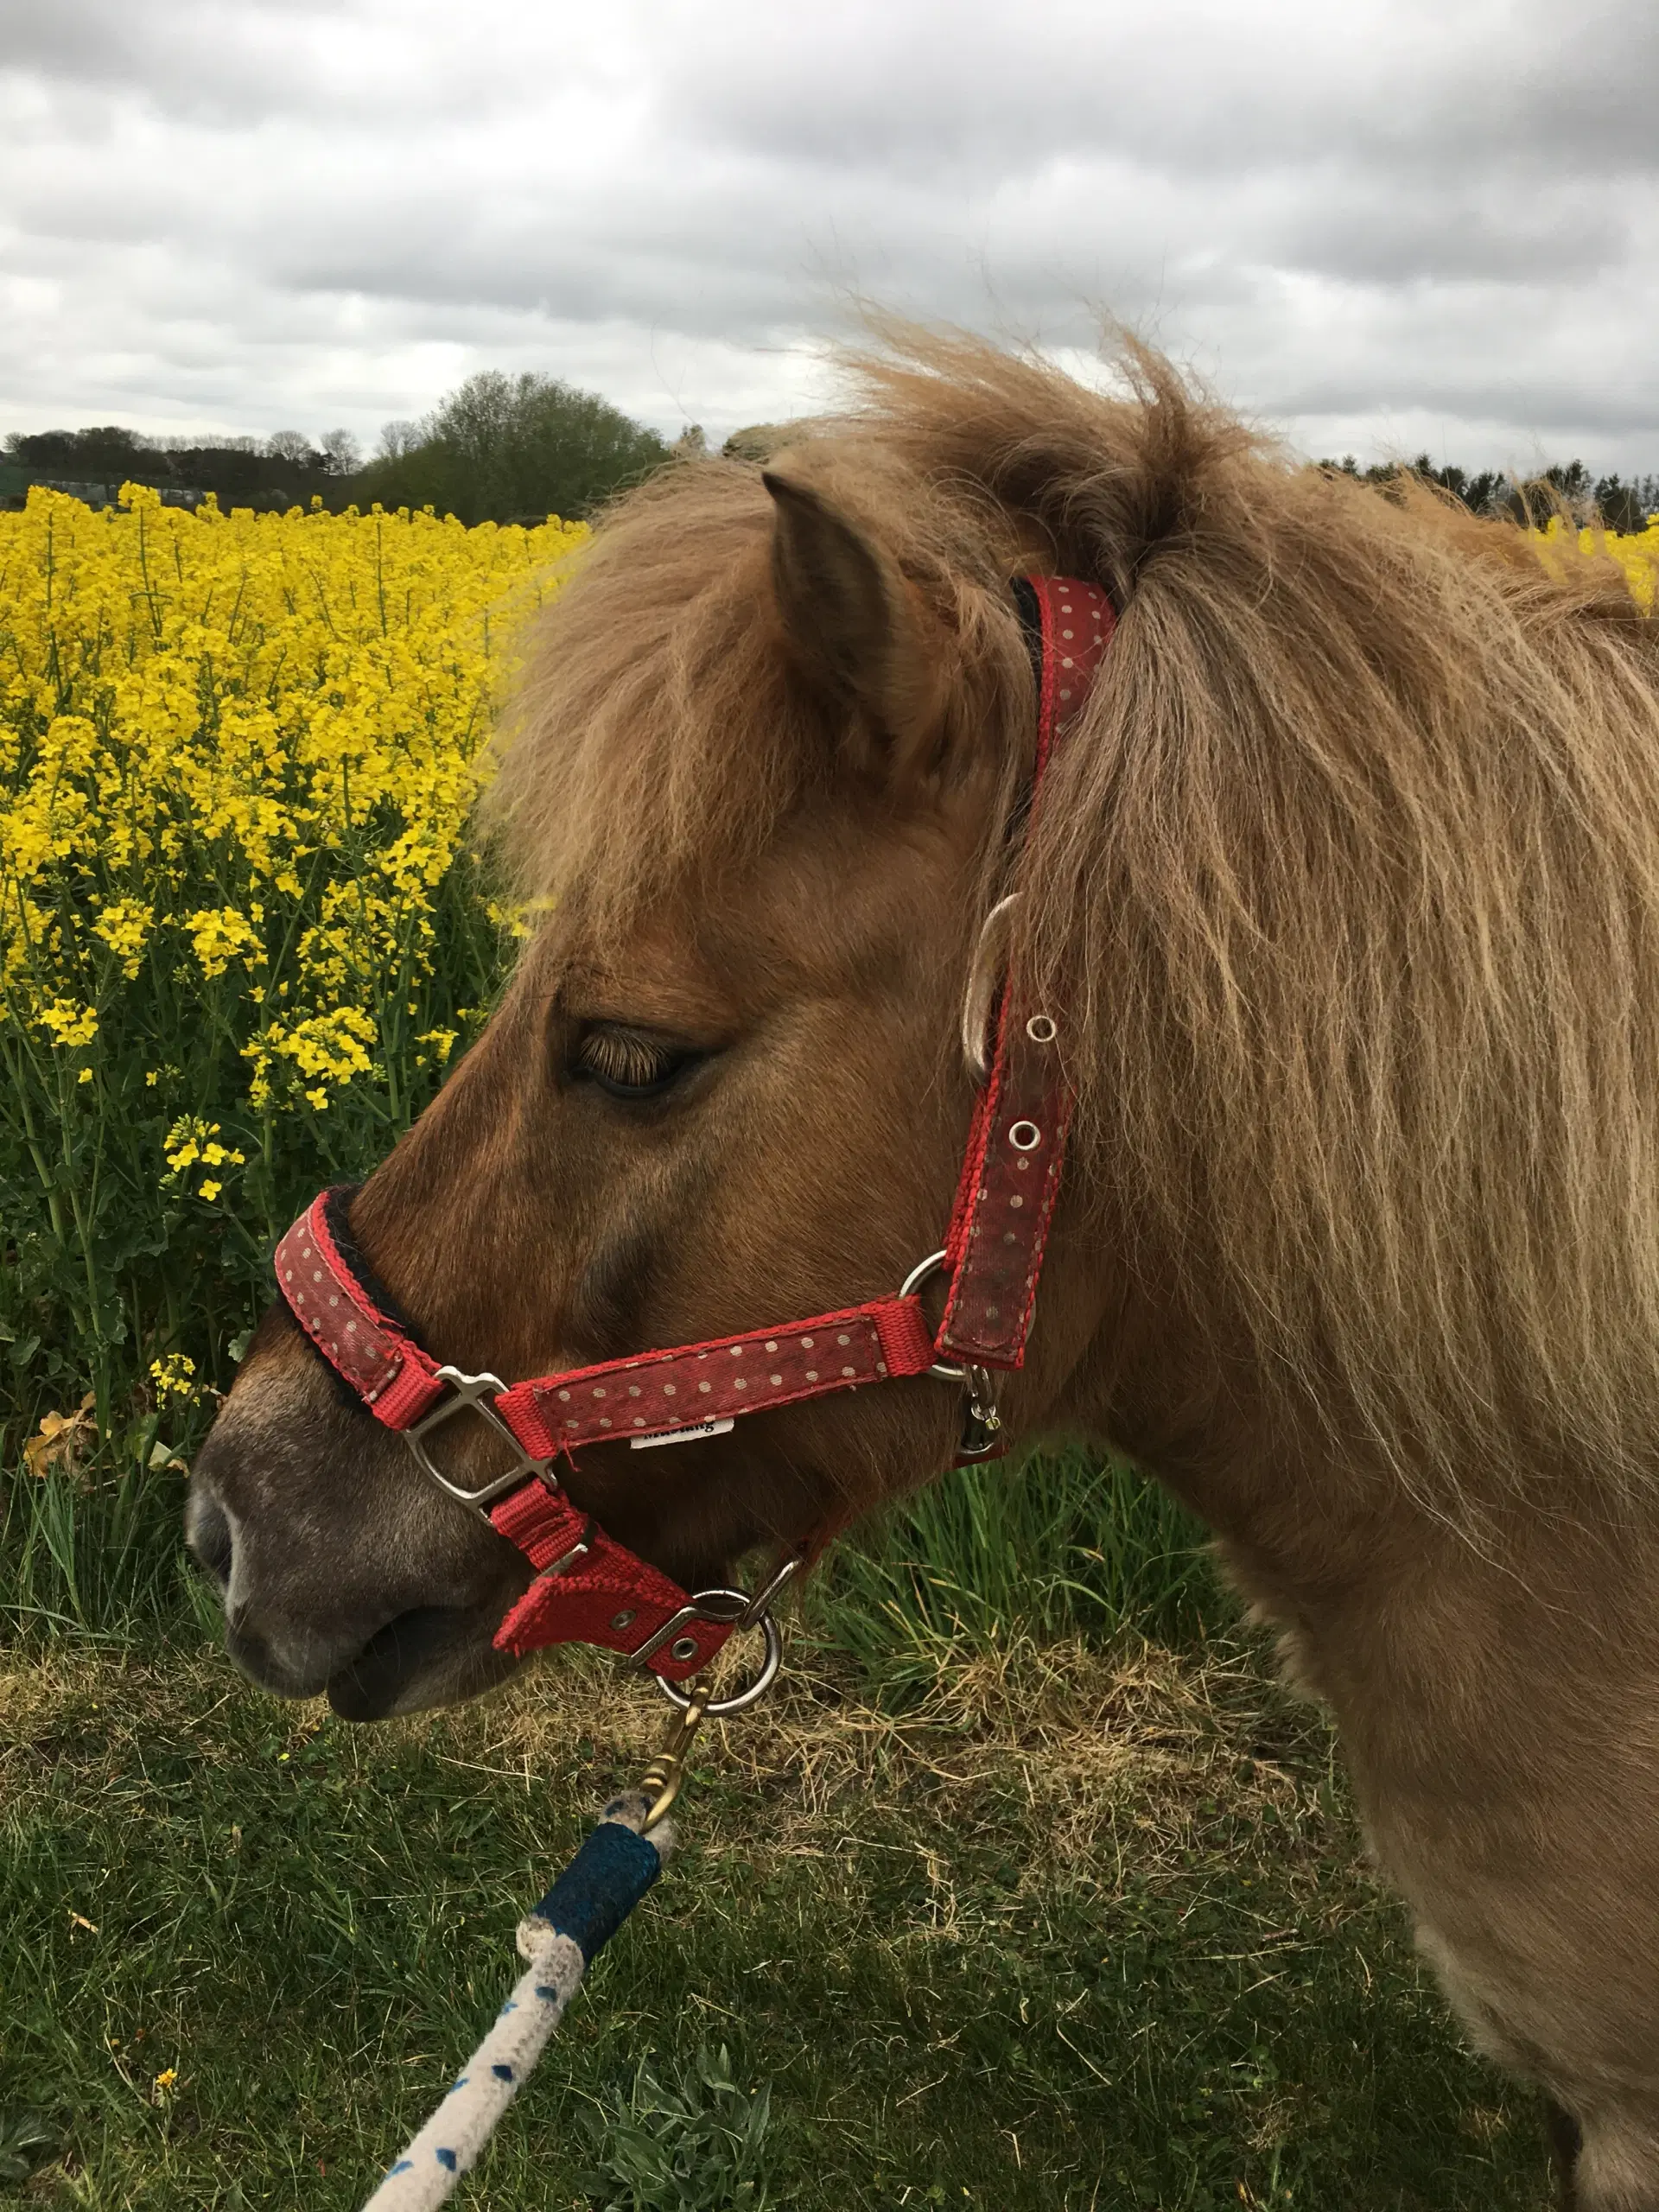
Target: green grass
999, 1903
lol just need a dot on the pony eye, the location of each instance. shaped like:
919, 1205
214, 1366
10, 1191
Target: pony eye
628, 1062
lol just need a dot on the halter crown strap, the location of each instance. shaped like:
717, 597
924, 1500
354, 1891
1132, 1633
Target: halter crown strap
590, 1589
1011, 1175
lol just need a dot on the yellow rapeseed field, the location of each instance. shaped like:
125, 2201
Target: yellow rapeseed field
1637, 554
239, 933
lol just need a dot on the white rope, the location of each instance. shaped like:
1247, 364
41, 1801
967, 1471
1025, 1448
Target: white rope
450, 2143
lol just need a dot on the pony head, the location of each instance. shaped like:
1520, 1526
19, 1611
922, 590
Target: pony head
1334, 883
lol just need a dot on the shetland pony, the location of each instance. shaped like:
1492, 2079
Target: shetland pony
1348, 886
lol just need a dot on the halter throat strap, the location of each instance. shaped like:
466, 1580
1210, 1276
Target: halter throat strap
589, 1588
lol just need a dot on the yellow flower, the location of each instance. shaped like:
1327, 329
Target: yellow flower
68, 1024
220, 935
124, 926
173, 1377
192, 1142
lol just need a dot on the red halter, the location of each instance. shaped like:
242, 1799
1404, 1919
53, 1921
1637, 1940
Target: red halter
589, 1588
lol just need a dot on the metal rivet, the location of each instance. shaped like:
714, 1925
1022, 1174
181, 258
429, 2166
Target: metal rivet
1025, 1136
684, 1647
625, 1618
1041, 1029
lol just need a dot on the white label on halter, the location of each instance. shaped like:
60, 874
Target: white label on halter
682, 1435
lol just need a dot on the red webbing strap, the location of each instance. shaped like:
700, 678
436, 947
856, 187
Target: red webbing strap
656, 1392
608, 1596
1016, 1146
366, 1348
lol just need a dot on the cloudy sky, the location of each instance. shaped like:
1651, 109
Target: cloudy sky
1380, 224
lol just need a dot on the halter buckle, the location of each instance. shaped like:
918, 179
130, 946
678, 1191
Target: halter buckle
479, 1392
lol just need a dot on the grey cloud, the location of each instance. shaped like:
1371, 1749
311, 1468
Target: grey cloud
272, 212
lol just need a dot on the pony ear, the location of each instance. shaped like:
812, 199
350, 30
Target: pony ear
854, 624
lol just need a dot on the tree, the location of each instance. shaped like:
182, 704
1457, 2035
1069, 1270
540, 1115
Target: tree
506, 448
341, 453
105, 455
291, 446
1620, 506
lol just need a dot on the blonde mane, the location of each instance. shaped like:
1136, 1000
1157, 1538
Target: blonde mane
1350, 881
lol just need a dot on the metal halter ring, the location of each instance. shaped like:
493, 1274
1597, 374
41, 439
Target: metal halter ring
932, 1265
742, 1611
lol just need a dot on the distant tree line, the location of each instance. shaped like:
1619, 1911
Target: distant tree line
247, 471
516, 448
1622, 504
501, 448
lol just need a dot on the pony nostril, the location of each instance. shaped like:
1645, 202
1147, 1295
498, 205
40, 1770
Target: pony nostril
208, 1533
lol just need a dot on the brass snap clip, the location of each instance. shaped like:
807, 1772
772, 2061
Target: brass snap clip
665, 1777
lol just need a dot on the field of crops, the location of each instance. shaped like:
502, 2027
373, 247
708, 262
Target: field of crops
241, 934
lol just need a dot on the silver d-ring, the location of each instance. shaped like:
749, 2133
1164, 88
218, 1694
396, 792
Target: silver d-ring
922, 1268
772, 1660
932, 1265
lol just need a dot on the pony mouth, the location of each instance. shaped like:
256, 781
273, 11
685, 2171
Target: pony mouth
430, 1655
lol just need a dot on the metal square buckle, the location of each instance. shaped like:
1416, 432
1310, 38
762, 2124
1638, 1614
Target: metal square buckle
478, 1392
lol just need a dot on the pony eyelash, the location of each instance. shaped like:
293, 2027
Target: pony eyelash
626, 1058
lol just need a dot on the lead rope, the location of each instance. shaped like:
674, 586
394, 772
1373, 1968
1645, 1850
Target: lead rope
562, 1936
617, 1864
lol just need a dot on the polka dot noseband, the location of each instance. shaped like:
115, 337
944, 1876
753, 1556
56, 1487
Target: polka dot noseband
589, 1589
